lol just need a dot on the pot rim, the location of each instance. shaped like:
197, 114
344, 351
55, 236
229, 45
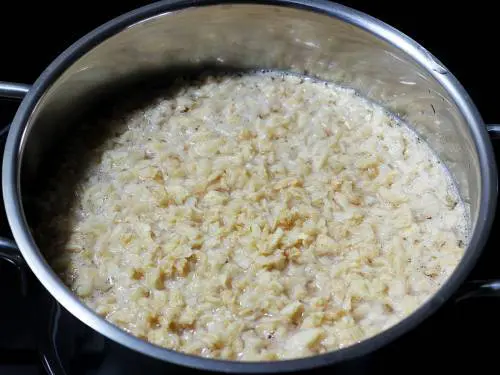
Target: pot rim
20, 229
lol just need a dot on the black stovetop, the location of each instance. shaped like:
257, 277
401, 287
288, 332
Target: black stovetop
37, 336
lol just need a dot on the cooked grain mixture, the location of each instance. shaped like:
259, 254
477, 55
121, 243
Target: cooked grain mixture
256, 217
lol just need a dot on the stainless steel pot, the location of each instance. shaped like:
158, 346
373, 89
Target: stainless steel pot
317, 38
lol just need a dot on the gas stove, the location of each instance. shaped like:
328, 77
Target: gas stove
38, 336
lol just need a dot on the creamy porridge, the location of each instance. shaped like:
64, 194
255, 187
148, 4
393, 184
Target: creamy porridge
255, 217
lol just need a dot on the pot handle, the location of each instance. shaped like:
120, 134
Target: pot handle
10, 253
8, 248
494, 131
10, 90
477, 289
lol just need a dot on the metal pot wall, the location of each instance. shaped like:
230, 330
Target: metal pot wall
317, 38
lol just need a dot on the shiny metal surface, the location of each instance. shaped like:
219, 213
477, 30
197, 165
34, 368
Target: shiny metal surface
317, 38
479, 289
397, 74
494, 131
13, 90
10, 253
10, 90
8, 248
